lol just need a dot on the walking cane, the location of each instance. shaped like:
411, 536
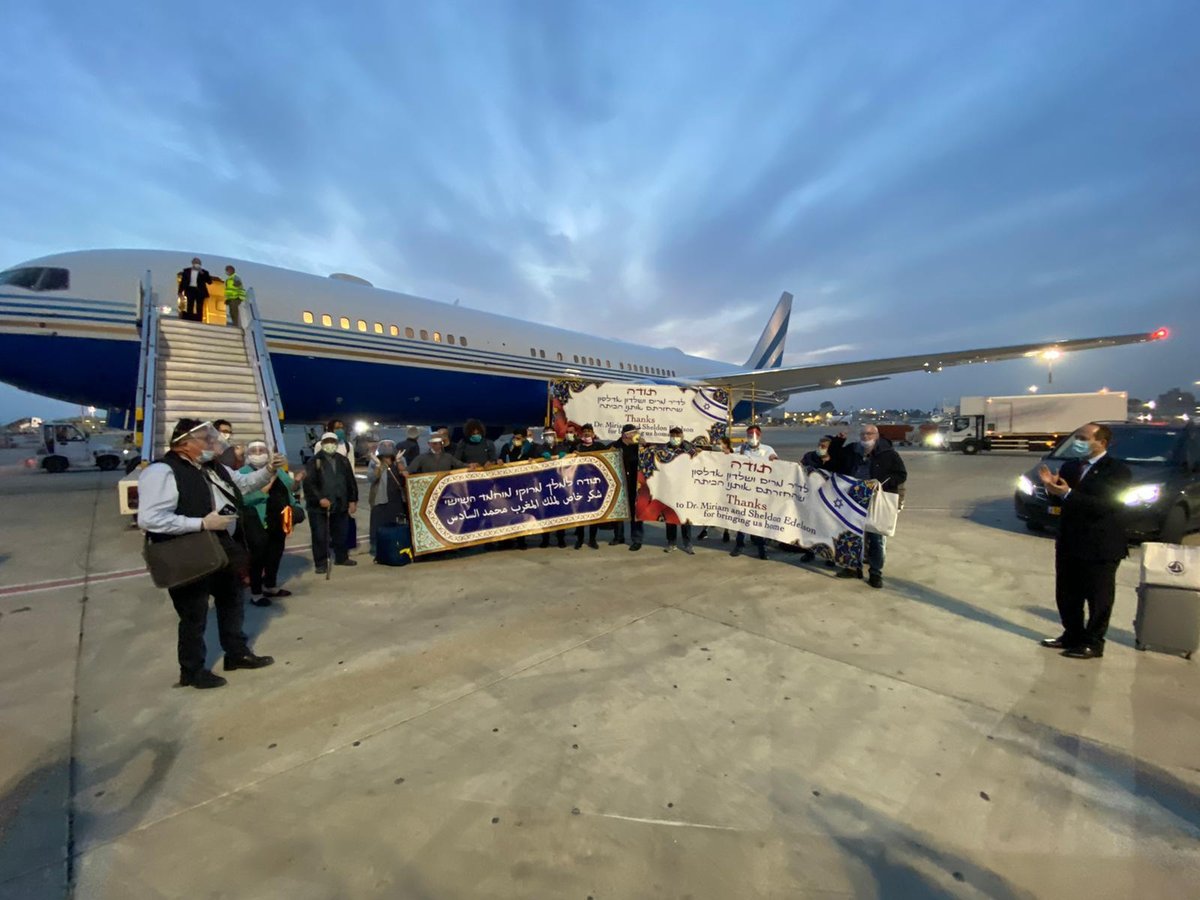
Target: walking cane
328, 547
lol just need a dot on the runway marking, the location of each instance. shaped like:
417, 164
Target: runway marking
34, 587
672, 822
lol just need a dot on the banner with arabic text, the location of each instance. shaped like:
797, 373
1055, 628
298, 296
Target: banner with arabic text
779, 500
464, 508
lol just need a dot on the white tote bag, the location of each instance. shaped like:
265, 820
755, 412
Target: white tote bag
1170, 565
882, 512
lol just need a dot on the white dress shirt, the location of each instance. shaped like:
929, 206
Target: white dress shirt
195, 276
158, 495
762, 451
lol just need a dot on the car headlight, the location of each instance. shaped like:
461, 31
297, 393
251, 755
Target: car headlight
1025, 485
1142, 495
936, 440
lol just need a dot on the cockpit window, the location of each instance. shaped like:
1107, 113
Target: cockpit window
37, 278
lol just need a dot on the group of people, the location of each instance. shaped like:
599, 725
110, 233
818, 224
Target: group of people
194, 292
251, 503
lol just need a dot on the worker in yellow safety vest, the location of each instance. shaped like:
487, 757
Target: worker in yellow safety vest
235, 293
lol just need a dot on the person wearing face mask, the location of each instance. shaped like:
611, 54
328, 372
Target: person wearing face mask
233, 455
475, 448
436, 459
331, 494
385, 474
1091, 540
754, 448
188, 491
587, 442
193, 287
872, 459
408, 449
550, 448
677, 444
270, 512
337, 428
630, 447
725, 446
817, 459
518, 448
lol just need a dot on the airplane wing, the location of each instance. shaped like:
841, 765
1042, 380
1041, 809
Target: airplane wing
798, 379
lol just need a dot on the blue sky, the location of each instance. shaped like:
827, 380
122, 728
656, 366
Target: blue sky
922, 176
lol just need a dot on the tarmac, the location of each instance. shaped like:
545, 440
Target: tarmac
592, 724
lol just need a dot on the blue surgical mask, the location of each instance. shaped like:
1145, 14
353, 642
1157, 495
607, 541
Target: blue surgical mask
475, 438
1081, 447
341, 433
676, 441
206, 456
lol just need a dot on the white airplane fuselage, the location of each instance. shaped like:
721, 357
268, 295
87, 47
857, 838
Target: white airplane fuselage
338, 348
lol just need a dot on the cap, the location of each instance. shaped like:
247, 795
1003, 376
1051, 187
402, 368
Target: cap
413, 432
385, 448
329, 436
629, 428
436, 438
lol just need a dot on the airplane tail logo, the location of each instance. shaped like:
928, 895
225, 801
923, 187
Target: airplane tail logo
768, 352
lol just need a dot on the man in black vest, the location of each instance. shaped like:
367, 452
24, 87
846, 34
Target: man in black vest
189, 491
1091, 540
630, 446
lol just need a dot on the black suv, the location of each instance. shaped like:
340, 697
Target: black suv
1162, 502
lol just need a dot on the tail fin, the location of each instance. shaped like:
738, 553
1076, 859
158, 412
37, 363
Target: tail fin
768, 352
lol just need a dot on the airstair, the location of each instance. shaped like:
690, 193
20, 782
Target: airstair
203, 371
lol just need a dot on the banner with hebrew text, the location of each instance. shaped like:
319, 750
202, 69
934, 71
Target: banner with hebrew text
779, 500
464, 508
702, 413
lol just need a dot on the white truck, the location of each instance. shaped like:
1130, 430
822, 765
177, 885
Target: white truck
1032, 422
64, 446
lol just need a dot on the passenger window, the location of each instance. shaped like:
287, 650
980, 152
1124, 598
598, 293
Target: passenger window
362, 326
462, 341
393, 331
308, 317
607, 364
344, 322
424, 335
437, 336
576, 357
327, 320
542, 354
559, 355
449, 339
408, 333
532, 352
378, 328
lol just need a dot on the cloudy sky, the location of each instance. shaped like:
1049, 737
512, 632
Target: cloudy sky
922, 176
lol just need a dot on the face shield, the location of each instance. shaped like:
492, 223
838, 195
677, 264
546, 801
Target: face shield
211, 442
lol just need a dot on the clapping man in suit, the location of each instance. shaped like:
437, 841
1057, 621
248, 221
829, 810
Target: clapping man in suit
1091, 540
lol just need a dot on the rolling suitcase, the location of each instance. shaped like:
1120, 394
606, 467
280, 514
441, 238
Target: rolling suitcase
393, 545
1168, 619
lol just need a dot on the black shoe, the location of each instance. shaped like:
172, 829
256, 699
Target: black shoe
264, 600
762, 552
807, 556
1058, 643
1087, 651
875, 580
616, 541
636, 546
321, 570
849, 573
593, 545
578, 543
345, 562
201, 680
736, 551
247, 661
276, 592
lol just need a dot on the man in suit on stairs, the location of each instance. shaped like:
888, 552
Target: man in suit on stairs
1091, 540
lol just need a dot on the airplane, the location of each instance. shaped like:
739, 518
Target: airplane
340, 347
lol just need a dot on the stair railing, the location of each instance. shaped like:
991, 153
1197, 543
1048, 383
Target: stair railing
145, 421
270, 406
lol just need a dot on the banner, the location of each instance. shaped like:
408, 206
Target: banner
779, 500
464, 508
654, 408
